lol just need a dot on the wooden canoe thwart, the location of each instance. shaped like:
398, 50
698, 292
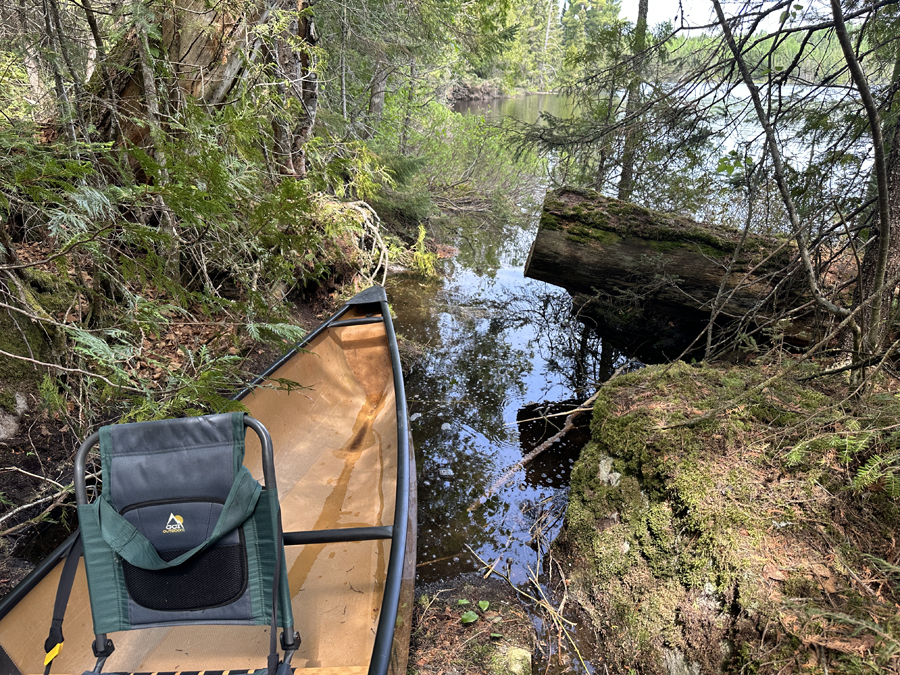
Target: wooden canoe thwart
346, 481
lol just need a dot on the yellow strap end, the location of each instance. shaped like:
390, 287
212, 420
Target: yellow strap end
53, 653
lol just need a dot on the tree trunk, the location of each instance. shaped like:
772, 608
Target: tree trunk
65, 107
551, 3
172, 251
345, 29
211, 49
873, 276
407, 114
881, 260
377, 89
652, 268
308, 89
626, 180
212, 46
32, 67
869, 271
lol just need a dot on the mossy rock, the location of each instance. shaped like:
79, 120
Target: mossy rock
8, 400
24, 337
53, 292
670, 558
514, 661
29, 337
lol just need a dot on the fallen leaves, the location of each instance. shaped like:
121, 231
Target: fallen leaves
773, 573
836, 636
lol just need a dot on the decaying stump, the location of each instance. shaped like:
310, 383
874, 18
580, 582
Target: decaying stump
206, 50
655, 276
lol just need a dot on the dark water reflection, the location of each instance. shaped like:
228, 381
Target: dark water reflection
491, 345
523, 108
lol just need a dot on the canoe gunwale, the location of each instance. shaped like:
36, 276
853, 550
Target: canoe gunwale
398, 532
384, 635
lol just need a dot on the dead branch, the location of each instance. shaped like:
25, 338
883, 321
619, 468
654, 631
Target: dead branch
568, 426
71, 370
43, 500
34, 475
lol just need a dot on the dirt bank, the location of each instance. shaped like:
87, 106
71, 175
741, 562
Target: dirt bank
497, 637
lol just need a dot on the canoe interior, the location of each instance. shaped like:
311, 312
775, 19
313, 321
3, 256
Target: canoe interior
335, 446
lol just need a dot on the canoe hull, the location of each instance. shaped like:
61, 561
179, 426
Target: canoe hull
343, 460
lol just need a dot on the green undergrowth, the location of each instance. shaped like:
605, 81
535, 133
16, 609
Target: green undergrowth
687, 540
444, 163
147, 278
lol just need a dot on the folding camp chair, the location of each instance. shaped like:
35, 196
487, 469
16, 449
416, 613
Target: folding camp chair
181, 534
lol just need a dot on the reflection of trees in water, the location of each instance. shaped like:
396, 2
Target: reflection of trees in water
538, 422
461, 385
488, 240
483, 349
445, 526
571, 350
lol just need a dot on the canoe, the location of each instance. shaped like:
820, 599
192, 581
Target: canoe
346, 481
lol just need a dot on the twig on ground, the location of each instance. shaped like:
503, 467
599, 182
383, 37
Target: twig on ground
34, 475
57, 498
70, 370
541, 603
23, 507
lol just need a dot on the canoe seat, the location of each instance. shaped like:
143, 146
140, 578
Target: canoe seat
181, 534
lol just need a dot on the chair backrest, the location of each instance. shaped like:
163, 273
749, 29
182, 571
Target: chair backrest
182, 533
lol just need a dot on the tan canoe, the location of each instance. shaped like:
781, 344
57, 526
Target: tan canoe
345, 470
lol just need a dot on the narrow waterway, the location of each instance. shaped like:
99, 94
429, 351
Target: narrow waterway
491, 345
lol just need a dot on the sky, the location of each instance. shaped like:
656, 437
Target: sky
695, 11
700, 12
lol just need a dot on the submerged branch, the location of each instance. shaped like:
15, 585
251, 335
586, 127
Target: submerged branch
522, 463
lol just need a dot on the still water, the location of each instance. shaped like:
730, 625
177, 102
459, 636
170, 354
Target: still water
491, 345
522, 108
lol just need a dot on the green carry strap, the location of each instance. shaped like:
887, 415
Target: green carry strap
125, 539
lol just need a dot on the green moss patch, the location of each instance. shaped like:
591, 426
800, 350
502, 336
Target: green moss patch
686, 541
587, 216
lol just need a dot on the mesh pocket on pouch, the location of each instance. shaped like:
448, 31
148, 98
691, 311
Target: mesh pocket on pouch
212, 578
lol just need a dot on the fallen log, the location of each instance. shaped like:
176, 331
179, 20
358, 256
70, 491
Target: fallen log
657, 273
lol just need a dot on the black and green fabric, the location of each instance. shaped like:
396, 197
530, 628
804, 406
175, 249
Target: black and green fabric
182, 533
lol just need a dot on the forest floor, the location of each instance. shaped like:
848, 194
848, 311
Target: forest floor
498, 637
36, 509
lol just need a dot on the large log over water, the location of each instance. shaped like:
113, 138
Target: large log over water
656, 272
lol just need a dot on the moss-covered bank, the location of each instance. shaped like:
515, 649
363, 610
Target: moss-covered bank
740, 544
